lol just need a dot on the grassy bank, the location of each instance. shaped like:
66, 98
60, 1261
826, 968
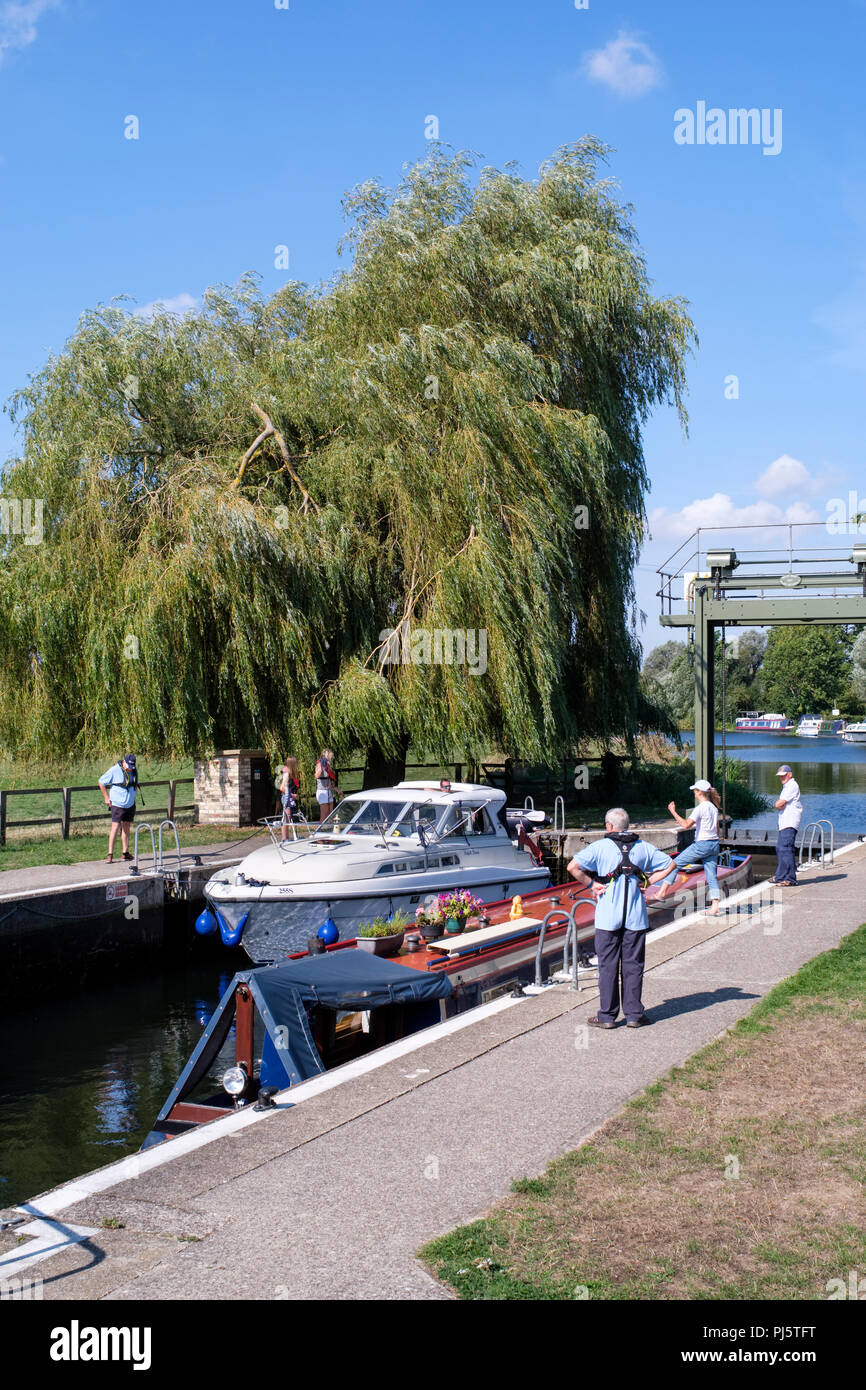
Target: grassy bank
741, 1175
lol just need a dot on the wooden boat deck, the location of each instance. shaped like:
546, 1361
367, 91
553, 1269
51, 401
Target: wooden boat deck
505, 933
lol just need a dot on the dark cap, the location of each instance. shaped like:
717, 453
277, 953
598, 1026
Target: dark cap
130, 760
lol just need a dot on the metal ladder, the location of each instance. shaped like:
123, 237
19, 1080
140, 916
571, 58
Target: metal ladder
815, 826
159, 866
570, 951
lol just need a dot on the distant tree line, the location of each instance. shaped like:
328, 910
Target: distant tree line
788, 670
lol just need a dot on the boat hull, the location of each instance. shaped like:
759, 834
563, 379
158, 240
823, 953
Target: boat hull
273, 927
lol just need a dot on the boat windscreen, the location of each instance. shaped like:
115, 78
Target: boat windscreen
371, 817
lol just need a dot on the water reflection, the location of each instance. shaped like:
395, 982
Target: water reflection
89, 1074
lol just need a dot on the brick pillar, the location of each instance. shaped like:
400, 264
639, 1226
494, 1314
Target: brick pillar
224, 787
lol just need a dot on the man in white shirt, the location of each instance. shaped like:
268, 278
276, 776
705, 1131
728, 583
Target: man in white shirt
790, 808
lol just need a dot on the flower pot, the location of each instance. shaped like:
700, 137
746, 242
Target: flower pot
381, 945
430, 931
453, 926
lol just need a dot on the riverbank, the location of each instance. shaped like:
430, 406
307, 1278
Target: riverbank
308, 1202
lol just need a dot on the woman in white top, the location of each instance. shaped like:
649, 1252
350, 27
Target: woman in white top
705, 850
326, 783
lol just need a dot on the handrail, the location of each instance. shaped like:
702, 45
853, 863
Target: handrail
161, 864
559, 805
557, 912
144, 825
528, 803
572, 942
814, 826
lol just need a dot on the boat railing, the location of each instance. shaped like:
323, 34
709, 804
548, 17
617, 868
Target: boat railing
815, 826
274, 823
528, 803
559, 815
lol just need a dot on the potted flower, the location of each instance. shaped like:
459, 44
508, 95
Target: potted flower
383, 936
456, 907
429, 920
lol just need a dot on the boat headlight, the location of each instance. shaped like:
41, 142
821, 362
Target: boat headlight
235, 1081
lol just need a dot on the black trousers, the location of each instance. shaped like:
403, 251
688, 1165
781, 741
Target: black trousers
611, 948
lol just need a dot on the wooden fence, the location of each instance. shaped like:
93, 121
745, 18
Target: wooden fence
66, 818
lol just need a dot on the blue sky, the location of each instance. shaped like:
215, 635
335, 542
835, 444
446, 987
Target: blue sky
254, 120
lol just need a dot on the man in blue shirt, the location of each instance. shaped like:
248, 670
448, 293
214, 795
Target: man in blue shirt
119, 786
621, 920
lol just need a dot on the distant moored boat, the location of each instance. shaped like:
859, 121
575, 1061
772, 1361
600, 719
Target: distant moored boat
755, 722
810, 726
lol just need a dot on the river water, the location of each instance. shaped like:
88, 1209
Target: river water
84, 1077
831, 774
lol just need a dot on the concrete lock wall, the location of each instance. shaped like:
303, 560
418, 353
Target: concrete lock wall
69, 931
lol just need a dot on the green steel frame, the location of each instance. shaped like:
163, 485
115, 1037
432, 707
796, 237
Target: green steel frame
712, 609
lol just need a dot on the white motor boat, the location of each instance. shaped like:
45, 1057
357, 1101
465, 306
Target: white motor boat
810, 726
377, 853
854, 733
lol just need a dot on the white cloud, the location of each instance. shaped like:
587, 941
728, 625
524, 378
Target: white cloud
721, 511
786, 474
18, 22
181, 304
625, 64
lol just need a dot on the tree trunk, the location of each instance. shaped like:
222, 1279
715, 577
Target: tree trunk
384, 771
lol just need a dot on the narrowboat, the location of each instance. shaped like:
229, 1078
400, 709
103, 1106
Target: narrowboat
310, 1013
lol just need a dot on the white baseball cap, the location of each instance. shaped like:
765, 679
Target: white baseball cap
701, 786
782, 770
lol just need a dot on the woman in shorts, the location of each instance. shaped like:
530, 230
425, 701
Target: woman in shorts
326, 783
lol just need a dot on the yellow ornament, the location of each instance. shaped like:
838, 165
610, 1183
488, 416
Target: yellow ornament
516, 907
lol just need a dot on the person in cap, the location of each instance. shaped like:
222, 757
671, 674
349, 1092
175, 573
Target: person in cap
618, 867
705, 849
790, 808
119, 787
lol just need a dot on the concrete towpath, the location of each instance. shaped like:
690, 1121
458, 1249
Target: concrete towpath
333, 1196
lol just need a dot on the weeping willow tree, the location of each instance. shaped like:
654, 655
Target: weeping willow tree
275, 520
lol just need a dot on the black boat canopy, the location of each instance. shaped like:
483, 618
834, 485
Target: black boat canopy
348, 980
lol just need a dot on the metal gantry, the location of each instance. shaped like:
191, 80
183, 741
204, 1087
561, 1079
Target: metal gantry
718, 586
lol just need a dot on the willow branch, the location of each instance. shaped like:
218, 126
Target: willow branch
412, 600
269, 431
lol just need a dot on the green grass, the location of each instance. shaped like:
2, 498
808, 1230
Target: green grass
779, 1092
33, 853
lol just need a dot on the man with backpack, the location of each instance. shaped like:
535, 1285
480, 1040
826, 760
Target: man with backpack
119, 787
618, 867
